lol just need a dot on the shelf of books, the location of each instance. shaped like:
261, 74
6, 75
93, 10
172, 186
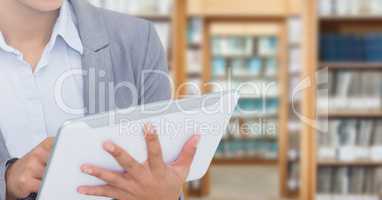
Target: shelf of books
229, 48
249, 55
226, 58
349, 139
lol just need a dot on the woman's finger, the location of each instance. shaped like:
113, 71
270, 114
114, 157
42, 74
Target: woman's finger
124, 159
104, 191
184, 161
110, 177
154, 150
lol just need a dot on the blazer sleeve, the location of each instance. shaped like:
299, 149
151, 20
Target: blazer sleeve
4, 164
3, 169
155, 84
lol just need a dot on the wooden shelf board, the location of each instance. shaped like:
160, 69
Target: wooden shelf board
349, 196
194, 46
350, 18
292, 194
253, 96
243, 161
352, 65
245, 29
349, 163
250, 8
194, 74
293, 161
262, 138
194, 193
351, 114
294, 74
255, 116
294, 45
244, 56
246, 77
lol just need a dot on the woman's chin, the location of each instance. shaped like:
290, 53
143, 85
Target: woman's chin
42, 5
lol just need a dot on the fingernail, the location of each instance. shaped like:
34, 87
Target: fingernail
81, 190
153, 130
109, 146
195, 140
86, 169
149, 130
146, 130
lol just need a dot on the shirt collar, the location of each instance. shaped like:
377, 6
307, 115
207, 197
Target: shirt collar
4, 46
66, 29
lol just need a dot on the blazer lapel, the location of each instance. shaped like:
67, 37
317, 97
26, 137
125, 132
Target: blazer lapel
98, 79
96, 62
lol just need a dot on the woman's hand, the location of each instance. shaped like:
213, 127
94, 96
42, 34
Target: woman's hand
151, 180
24, 176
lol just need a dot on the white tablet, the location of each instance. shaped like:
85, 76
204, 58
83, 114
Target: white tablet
80, 141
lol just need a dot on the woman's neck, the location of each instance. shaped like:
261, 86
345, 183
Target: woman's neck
21, 24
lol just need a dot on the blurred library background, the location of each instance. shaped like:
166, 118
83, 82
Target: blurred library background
309, 121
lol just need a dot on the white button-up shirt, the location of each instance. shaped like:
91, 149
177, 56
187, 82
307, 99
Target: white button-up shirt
33, 105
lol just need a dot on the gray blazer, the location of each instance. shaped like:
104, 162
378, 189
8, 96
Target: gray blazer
118, 50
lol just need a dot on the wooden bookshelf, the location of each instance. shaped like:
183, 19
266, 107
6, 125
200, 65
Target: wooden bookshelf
339, 24
225, 28
208, 27
249, 11
270, 26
